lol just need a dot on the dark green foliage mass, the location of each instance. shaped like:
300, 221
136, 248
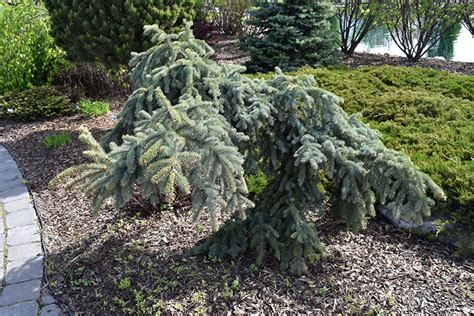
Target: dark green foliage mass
291, 35
109, 30
194, 127
36, 103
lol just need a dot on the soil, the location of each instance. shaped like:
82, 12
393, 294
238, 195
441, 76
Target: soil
135, 261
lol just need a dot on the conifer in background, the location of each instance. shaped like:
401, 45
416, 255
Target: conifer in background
192, 126
109, 30
292, 34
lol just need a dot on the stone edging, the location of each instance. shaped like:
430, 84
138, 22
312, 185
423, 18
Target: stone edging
21, 253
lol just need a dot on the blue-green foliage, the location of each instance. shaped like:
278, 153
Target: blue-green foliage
292, 34
191, 126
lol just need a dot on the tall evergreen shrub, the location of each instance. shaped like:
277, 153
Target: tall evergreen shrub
109, 31
292, 34
193, 126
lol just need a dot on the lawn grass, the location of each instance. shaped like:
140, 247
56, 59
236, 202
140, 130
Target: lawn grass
425, 113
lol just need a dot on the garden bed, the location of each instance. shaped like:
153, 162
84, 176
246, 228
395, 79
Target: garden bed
227, 52
135, 262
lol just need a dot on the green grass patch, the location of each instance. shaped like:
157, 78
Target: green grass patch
94, 108
57, 140
425, 113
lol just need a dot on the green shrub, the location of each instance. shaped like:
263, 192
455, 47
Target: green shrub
94, 108
28, 55
291, 35
36, 103
109, 31
57, 140
424, 113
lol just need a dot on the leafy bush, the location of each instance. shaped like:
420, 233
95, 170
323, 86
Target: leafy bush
229, 16
356, 18
424, 113
203, 26
190, 126
91, 80
28, 55
468, 19
292, 34
94, 108
36, 103
57, 140
416, 25
109, 31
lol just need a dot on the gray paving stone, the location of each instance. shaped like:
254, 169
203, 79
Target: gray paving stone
10, 174
2, 270
50, 310
47, 298
7, 164
15, 194
24, 270
22, 252
5, 156
15, 293
23, 235
21, 218
17, 205
21, 309
12, 184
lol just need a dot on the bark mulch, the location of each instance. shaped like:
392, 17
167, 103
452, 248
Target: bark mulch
133, 261
366, 59
227, 52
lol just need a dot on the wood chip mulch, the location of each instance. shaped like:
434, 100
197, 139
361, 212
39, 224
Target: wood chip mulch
135, 262
366, 59
227, 52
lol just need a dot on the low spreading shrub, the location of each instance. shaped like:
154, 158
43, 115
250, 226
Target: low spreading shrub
36, 103
57, 140
28, 55
94, 108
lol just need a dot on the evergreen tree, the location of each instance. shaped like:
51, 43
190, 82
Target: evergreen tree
292, 34
194, 126
109, 30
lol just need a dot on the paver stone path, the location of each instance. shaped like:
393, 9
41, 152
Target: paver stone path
21, 254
